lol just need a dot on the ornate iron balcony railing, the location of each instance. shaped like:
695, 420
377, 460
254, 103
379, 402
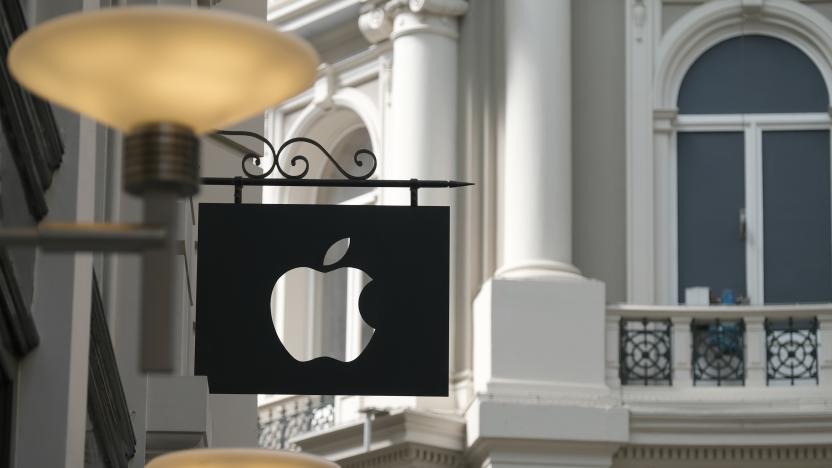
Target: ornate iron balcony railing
791, 350
645, 350
772, 345
298, 416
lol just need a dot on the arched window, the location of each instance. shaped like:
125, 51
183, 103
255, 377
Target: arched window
753, 174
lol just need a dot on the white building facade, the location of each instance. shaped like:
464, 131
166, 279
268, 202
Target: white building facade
641, 276
623, 151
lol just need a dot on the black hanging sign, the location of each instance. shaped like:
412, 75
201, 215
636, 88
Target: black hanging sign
245, 249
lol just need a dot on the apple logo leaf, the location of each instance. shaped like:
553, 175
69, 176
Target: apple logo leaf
336, 251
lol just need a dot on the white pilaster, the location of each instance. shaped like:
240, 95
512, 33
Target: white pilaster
537, 162
661, 219
641, 269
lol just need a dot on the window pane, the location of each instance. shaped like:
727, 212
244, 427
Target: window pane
711, 193
753, 74
796, 217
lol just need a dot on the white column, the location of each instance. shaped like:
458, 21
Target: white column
544, 348
537, 154
423, 95
421, 141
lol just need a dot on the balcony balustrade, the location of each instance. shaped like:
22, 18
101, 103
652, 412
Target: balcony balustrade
753, 346
294, 416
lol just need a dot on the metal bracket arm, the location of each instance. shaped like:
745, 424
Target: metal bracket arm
86, 237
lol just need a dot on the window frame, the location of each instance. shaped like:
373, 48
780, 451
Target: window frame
752, 126
657, 61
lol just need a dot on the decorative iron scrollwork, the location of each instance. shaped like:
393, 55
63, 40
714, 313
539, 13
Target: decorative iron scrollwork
302, 416
645, 352
718, 352
792, 350
360, 158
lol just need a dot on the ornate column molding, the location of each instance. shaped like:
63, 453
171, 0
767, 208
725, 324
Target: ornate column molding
395, 18
375, 25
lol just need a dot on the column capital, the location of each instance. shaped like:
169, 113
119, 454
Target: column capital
385, 19
375, 24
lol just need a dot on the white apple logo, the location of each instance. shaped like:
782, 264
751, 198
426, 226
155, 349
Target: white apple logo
341, 281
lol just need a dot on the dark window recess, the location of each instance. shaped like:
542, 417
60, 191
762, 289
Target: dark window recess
718, 352
106, 403
792, 350
645, 352
711, 195
753, 74
301, 416
26, 121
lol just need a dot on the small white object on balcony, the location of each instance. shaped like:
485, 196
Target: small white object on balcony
698, 296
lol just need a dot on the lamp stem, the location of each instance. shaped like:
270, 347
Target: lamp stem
160, 321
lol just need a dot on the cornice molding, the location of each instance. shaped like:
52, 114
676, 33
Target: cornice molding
537, 452
724, 454
406, 455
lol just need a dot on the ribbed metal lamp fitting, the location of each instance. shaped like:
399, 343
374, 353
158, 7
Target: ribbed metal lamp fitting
161, 157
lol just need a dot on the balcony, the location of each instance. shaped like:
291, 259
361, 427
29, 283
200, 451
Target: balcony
721, 346
286, 418
722, 375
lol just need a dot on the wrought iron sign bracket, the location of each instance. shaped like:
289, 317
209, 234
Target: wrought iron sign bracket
300, 164
104, 237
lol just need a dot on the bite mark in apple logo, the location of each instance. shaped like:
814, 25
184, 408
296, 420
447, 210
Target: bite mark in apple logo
330, 269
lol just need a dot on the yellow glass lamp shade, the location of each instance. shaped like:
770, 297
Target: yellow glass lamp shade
127, 67
238, 458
